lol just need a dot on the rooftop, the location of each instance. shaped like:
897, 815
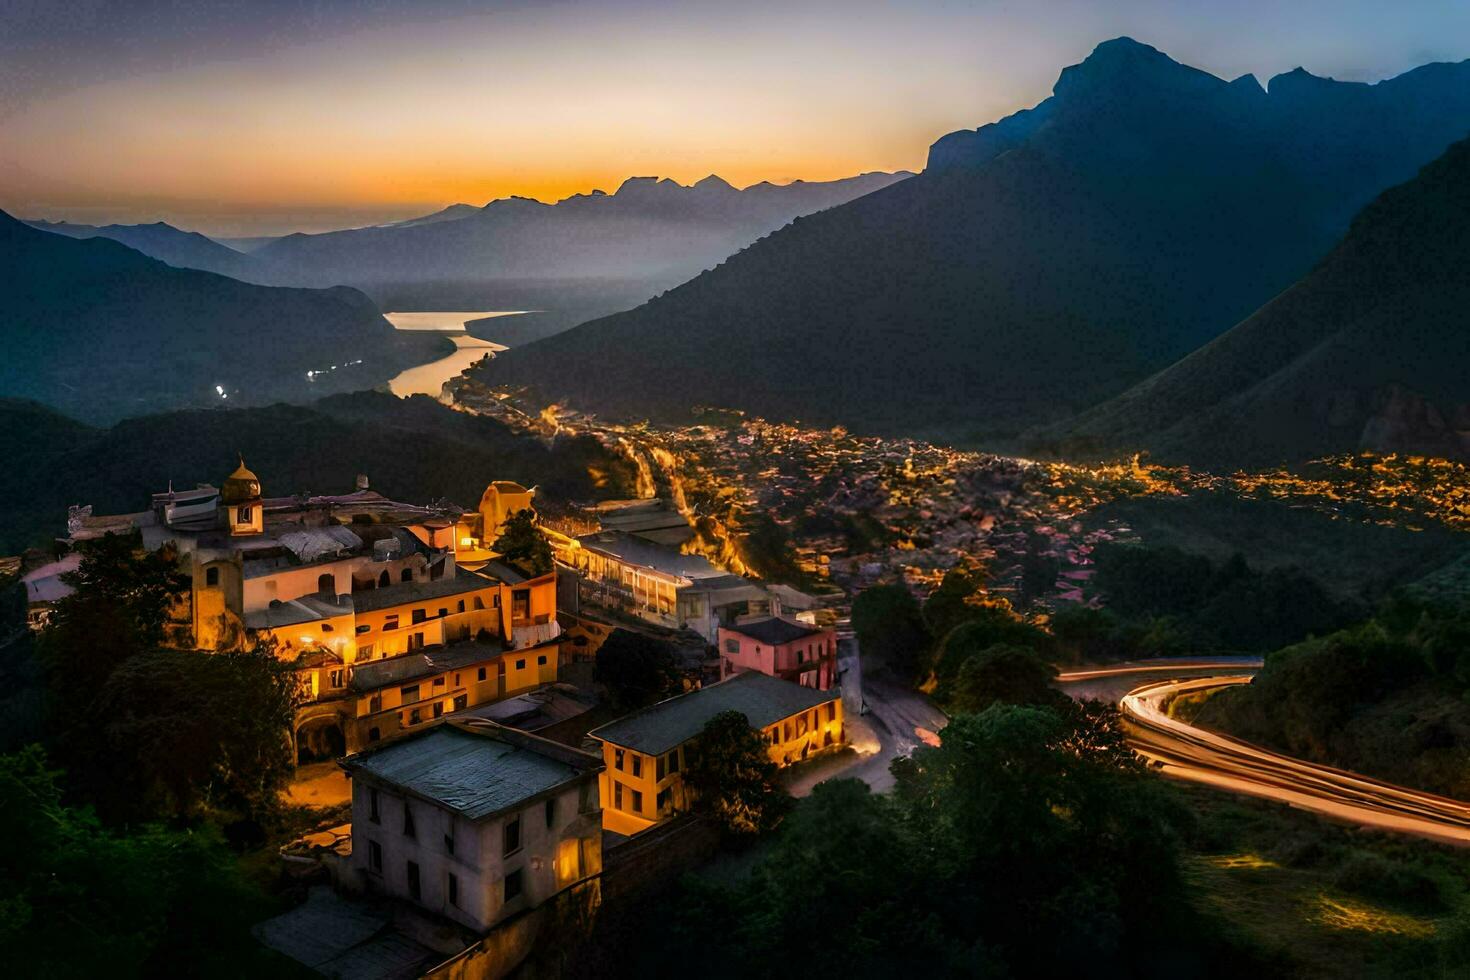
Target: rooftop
294, 612
375, 674
636, 551
476, 768
762, 699
368, 600
774, 630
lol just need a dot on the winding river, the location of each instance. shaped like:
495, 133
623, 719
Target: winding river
428, 379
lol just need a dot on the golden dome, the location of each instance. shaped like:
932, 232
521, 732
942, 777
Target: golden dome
241, 486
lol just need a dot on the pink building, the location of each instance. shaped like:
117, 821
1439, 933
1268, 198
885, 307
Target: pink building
781, 648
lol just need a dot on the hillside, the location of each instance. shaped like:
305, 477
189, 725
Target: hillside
1035, 268
100, 332
1370, 351
649, 229
414, 450
180, 249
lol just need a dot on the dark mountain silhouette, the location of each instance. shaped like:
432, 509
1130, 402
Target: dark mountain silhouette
181, 249
1370, 351
650, 229
100, 331
1037, 266
413, 449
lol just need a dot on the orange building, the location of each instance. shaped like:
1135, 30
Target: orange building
646, 752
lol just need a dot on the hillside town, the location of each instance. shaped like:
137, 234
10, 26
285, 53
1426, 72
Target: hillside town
446, 695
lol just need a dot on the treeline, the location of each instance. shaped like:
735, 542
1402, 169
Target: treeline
1389, 697
142, 775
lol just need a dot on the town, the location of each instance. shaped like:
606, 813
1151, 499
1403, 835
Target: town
444, 663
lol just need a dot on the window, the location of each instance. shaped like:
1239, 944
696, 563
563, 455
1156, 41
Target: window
658, 769
637, 766
413, 880
375, 703
383, 580
617, 795
338, 677
390, 622
512, 836
500, 668
520, 604
326, 584
439, 681
406, 575
618, 759
374, 734
673, 761
637, 802
211, 576
245, 515
409, 694
481, 675
438, 709
831, 710
419, 615
415, 716
479, 603
375, 856
541, 660
461, 702
449, 841
520, 665
408, 828
665, 801
513, 885
373, 806
416, 642
732, 646
461, 605
453, 890
551, 811
328, 628
365, 651
443, 612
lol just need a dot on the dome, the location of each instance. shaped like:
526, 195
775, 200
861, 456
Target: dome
241, 486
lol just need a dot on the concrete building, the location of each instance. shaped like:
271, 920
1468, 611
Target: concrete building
475, 822
646, 752
625, 572
783, 648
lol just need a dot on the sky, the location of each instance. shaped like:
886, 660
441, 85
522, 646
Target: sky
259, 118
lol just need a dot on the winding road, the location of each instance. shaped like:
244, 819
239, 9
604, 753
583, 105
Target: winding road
1186, 752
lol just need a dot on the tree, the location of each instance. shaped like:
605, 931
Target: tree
79, 900
733, 778
522, 544
989, 626
119, 608
177, 732
637, 669
1004, 673
891, 630
955, 601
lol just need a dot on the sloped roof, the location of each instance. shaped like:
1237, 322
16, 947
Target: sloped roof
477, 769
368, 600
762, 699
773, 630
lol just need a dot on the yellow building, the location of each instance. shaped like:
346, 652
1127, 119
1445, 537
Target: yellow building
646, 752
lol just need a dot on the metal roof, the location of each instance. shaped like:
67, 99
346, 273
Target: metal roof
398, 594
762, 699
773, 630
477, 769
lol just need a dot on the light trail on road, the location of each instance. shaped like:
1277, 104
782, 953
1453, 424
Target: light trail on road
1185, 752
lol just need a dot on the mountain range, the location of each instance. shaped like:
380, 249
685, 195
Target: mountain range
1370, 351
100, 331
1038, 265
179, 248
649, 229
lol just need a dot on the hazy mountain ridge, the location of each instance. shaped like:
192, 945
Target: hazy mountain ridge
650, 228
100, 331
1370, 351
1039, 266
179, 248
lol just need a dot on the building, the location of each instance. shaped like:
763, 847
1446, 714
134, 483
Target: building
475, 822
783, 648
477, 530
678, 591
365, 595
645, 753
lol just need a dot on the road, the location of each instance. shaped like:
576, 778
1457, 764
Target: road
1186, 752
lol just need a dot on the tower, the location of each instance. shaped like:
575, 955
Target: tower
240, 496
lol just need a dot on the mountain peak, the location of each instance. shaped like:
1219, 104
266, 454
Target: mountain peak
712, 183
1123, 61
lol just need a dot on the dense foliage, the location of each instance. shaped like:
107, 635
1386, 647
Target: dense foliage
733, 778
1387, 697
890, 629
522, 544
636, 669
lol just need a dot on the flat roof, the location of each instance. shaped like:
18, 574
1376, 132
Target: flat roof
773, 630
294, 612
476, 768
762, 699
383, 596
637, 551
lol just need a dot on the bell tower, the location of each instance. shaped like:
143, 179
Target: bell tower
240, 496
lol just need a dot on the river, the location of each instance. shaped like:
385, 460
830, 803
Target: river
428, 379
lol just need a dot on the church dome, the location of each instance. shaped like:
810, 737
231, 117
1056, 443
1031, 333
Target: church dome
241, 486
